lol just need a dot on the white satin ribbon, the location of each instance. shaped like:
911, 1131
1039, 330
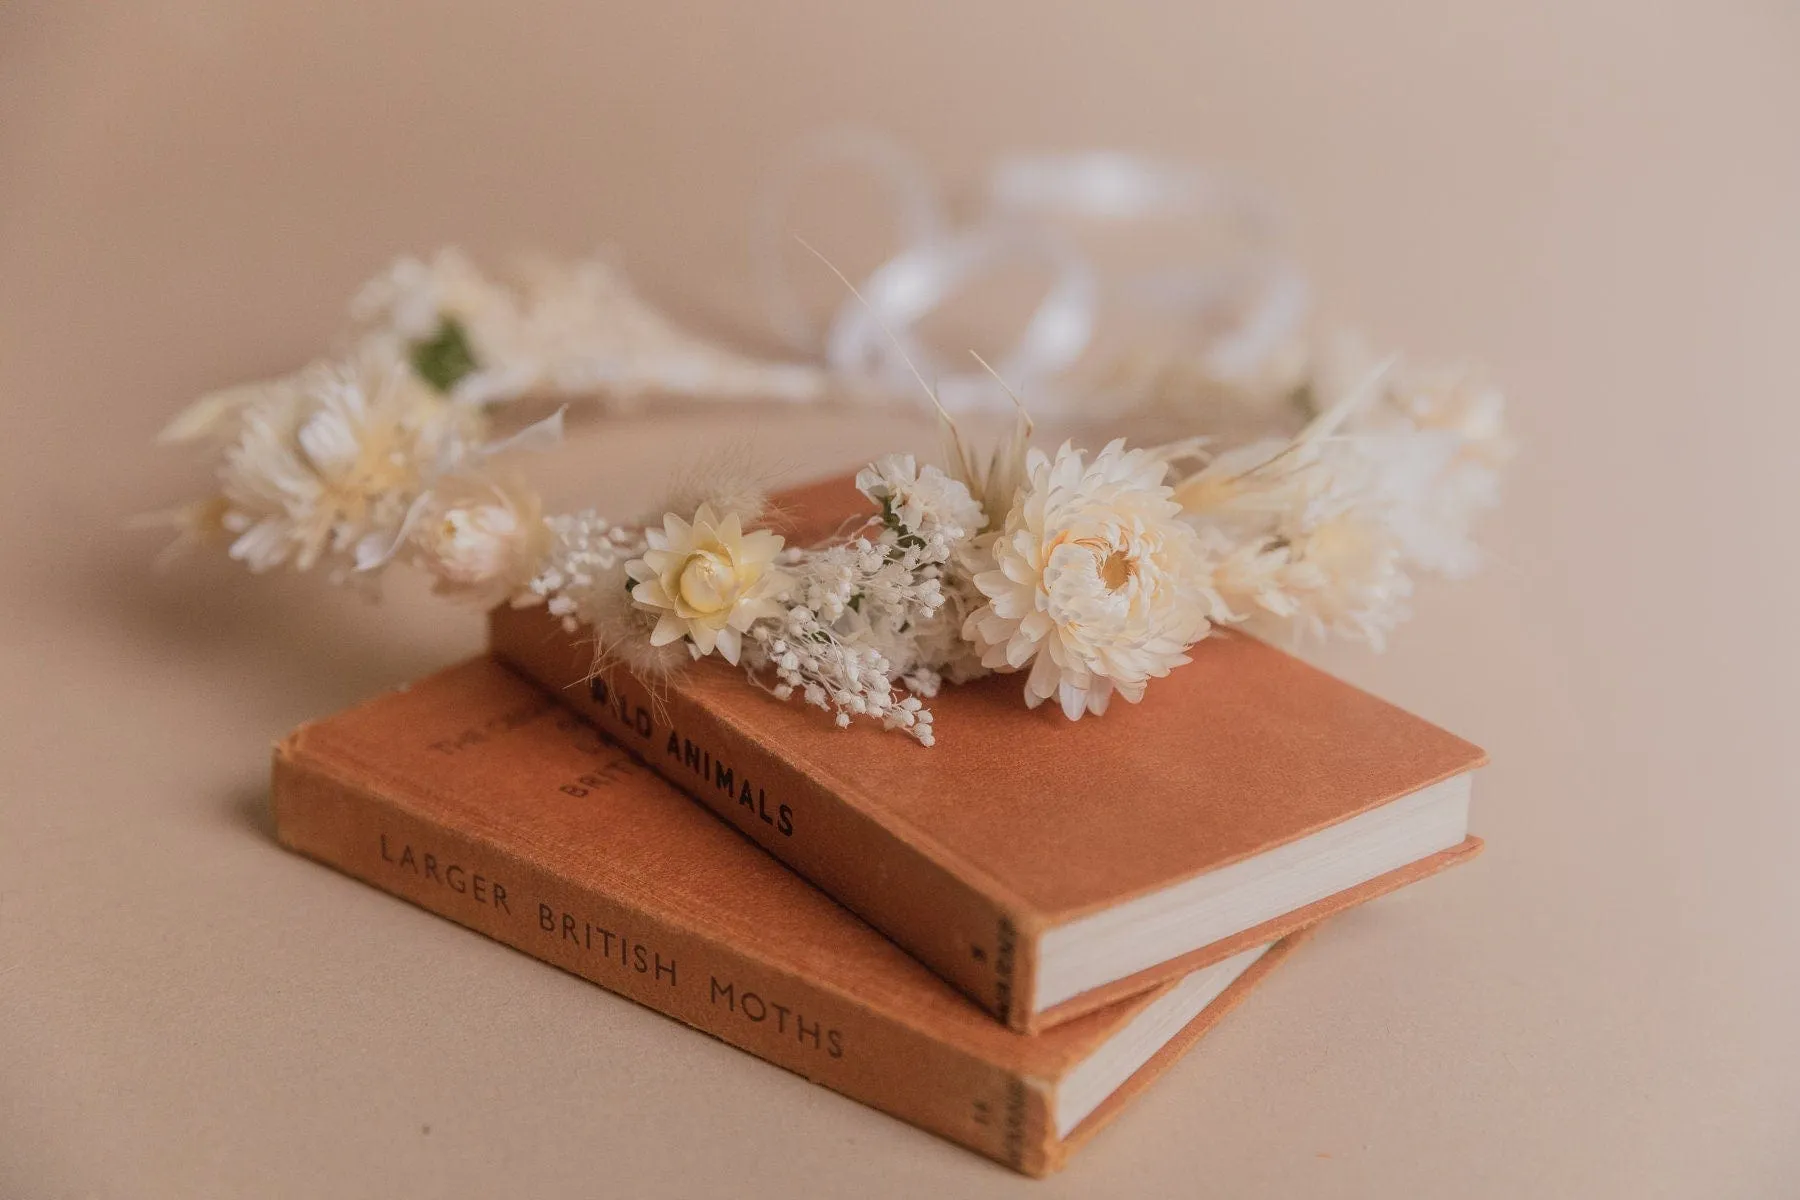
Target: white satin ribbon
910, 189
875, 339
1105, 185
1239, 307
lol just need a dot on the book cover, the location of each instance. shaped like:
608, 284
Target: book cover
477, 796
1021, 826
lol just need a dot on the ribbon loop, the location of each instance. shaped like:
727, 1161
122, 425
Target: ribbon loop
1238, 306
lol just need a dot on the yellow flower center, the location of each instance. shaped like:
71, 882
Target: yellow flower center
1115, 570
1112, 564
709, 582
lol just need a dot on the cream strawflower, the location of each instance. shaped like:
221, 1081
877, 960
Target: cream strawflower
707, 581
1096, 581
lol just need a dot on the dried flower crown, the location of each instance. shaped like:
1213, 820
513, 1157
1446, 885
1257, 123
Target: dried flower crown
1090, 574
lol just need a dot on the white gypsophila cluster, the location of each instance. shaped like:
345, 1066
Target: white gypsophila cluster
574, 330
924, 501
862, 630
583, 566
809, 657
940, 652
910, 606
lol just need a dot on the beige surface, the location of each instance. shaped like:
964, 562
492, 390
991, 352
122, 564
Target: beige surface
1600, 199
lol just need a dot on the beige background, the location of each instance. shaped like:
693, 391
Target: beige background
1601, 200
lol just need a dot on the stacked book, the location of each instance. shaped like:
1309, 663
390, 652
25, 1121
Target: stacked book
1000, 939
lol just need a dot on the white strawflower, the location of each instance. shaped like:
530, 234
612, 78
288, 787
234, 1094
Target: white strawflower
1459, 400
574, 329
1252, 484
479, 538
582, 330
1464, 414
924, 500
1346, 577
1454, 398
1313, 545
1437, 437
707, 580
1096, 583
413, 297
333, 458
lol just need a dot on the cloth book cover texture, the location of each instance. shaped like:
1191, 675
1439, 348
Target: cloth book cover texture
1018, 821
477, 796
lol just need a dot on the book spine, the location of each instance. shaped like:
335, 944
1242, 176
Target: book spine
685, 973
971, 941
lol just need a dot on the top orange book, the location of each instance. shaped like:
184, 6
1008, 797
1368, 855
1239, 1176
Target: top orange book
1045, 866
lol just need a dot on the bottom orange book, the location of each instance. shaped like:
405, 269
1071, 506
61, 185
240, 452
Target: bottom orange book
480, 798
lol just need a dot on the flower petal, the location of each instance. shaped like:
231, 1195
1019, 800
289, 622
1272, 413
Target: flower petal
669, 628
1074, 701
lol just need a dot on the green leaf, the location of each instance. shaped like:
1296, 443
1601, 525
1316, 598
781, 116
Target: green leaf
443, 359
